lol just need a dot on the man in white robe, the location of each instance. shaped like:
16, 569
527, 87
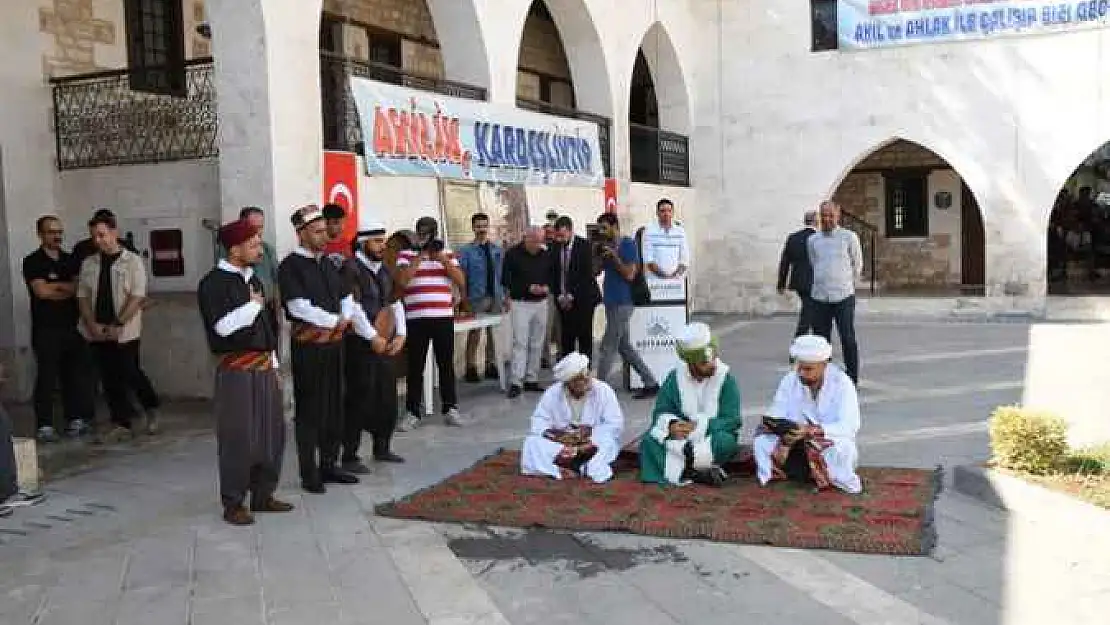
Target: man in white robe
821, 400
576, 428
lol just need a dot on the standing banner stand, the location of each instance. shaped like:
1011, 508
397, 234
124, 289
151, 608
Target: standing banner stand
653, 326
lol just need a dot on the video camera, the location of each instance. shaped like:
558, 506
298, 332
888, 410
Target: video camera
598, 239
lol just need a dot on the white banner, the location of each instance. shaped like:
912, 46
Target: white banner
651, 332
408, 132
886, 23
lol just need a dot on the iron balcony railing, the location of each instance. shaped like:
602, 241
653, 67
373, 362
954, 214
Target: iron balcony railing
868, 241
658, 156
604, 125
342, 128
100, 119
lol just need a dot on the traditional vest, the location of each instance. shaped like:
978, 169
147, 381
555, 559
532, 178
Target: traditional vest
373, 289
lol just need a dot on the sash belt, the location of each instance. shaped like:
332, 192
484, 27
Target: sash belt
308, 333
247, 361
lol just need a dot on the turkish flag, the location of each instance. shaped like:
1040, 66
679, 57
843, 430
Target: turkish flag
341, 187
610, 195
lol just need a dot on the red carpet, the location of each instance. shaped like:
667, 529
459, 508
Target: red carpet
894, 515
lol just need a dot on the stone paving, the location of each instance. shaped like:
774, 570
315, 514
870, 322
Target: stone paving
137, 539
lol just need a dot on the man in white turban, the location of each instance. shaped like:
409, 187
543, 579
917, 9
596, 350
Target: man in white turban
696, 420
576, 428
810, 434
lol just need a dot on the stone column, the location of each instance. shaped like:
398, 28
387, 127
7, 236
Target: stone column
267, 75
27, 180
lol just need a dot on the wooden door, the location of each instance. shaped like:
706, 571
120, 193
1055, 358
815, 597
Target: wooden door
973, 270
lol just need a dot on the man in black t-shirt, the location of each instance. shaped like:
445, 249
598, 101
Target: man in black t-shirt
60, 351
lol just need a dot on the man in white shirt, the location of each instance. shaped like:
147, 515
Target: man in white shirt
576, 428
811, 436
837, 260
666, 251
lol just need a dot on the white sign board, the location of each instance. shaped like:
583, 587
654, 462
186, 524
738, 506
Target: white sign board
651, 332
666, 289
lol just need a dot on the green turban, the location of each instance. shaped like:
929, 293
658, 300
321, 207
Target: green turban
695, 344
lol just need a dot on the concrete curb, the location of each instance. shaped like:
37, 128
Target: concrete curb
1024, 499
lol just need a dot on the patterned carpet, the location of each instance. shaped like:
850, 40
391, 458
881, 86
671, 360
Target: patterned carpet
894, 515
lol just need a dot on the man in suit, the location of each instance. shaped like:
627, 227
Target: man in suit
795, 263
575, 289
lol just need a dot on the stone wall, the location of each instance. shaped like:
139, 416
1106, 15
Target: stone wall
906, 263
85, 36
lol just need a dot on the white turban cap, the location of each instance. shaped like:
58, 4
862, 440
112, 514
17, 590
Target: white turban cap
811, 348
695, 343
571, 366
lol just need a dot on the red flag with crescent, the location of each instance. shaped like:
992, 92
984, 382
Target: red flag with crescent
341, 187
610, 195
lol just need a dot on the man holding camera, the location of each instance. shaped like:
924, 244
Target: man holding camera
427, 274
620, 263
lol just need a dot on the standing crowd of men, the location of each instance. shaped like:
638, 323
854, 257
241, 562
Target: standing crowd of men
349, 317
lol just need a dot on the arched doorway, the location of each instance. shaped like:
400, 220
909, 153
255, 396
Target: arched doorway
1078, 234
569, 80
402, 46
658, 114
918, 222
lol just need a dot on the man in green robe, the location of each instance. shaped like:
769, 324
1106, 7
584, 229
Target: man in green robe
696, 420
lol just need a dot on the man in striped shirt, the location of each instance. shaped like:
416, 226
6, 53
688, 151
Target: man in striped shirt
427, 275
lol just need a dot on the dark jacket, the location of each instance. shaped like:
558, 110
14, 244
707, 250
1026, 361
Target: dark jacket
581, 280
795, 262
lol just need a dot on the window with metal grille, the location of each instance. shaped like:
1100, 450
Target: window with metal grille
156, 46
824, 25
907, 205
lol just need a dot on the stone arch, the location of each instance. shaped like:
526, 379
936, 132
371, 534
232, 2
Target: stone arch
918, 220
1078, 229
438, 38
668, 80
585, 56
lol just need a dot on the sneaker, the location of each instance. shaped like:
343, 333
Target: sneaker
151, 422
452, 418
23, 499
78, 428
117, 434
408, 423
46, 434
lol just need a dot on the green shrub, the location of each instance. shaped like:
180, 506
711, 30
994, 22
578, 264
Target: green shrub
1090, 461
1027, 440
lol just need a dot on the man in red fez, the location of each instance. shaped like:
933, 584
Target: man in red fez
250, 428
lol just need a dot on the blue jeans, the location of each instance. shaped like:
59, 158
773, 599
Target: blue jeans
844, 314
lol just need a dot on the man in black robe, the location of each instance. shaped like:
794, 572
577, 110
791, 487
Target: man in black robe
250, 425
320, 308
379, 335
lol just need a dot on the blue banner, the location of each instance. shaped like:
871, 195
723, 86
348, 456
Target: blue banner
408, 132
865, 24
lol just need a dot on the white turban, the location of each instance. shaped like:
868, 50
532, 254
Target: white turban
811, 348
571, 366
695, 343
